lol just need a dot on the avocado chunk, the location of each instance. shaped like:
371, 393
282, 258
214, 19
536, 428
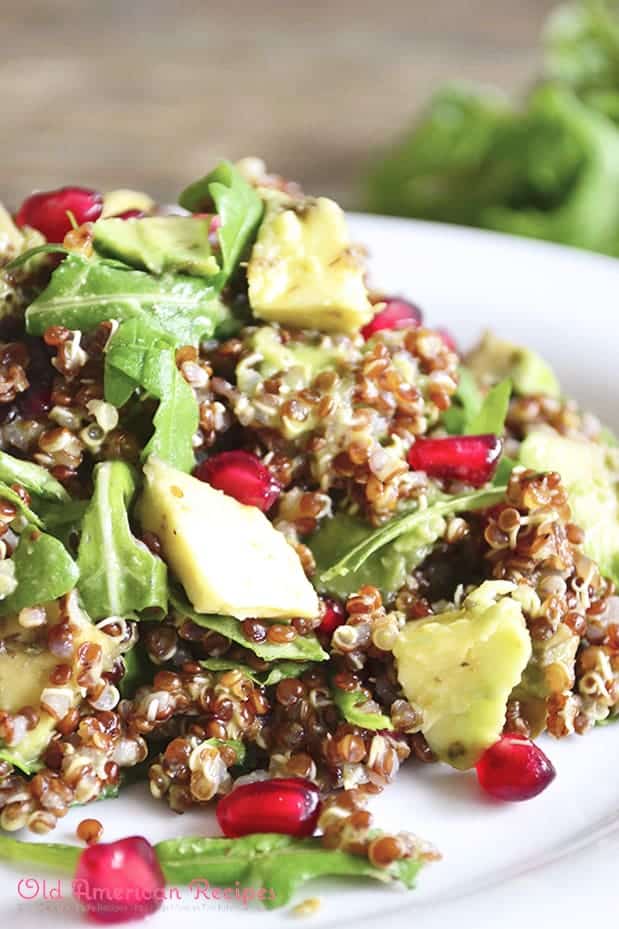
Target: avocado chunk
303, 270
459, 669
120, 201
158, 244
591, 487
228, 556
25, 668
495, 359
386, 569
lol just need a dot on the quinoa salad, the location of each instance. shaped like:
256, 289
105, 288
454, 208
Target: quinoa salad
267, 535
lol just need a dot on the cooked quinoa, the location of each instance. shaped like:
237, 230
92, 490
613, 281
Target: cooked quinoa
333, 418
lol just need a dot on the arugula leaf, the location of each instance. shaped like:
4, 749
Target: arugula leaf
278, 863
14, 758
44, 571
143, 358
24, 258
238, 206
350, 704
386, 569
504, 470
493, 412
83, 293
119, 576
36, 480
158, 244
234, 744
64, 520
139, 670
303, 648
52, 855
465, 405
273, 866
407, 522
278, 671
7, 493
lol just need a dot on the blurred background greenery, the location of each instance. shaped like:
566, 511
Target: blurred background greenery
150, 93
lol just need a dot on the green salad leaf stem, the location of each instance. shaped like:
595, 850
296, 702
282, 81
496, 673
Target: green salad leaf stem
119, 576
11, 496
355, 558
266, 867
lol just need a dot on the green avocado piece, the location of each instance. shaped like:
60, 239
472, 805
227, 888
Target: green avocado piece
460, 667
495, 359
158, 244
25, 668
592, 489
386, 569
299, 361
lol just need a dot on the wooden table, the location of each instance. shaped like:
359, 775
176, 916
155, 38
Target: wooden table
149, 93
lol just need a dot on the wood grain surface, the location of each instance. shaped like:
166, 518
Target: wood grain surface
149, 93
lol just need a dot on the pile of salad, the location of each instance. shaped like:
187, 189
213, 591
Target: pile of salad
266, 536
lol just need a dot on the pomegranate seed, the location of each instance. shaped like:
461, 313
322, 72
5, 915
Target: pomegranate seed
119, 881
448, 340
332, 617
48, 210
398, 314
472, 459
35, 402
289, 805
243, 476
514, 768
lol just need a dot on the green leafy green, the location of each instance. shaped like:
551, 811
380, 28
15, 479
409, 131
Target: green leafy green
52, 855
266, 867
350, 704
386, 569
302, 648
64, 521
84, 293
278, 671
234, 744
24, 258
158, 244
278, 863
493, 412
139, 670
239, 208
44, 571
407, 522
14, 758
119, 576
136, 356
7, 493
465, 405
36, 480
582, 46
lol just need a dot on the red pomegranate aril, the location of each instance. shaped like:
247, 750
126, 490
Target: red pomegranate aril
35, 402
472, 459
332, 617
397, 314
289, 805
119, 881
48, 211
243, 476
514, 769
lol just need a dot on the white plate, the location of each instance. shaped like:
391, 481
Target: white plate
548, 862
